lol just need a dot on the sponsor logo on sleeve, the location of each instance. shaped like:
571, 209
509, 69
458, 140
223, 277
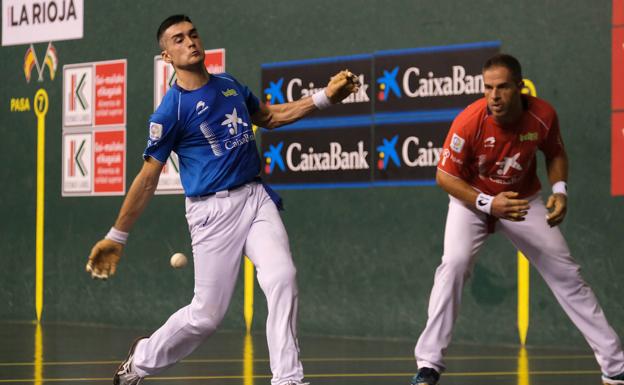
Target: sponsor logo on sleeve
155, 131
457, 143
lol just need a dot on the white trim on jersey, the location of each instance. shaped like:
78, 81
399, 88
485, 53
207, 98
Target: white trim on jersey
222, 77
540, 120
179, 103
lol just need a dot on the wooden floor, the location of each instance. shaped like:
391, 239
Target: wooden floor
78, 354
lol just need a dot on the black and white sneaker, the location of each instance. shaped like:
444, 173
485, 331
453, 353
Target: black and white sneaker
124, 375
426, 376
613, 380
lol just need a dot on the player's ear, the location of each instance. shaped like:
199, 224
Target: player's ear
521, 84
165, 56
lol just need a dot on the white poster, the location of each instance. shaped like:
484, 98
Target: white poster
32, 21
78, 95
77, 164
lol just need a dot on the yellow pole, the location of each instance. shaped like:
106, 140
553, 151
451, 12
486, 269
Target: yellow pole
523, 367
249, 294
523, 297
38, 375
248, 355
41, 108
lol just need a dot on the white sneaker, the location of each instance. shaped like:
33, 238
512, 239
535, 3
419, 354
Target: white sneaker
125, 375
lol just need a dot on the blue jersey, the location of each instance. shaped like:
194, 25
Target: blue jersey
211, 131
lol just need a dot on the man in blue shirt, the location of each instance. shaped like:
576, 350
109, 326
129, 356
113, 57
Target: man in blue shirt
207, 120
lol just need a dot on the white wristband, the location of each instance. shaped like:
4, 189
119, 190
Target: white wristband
320, 100
117, 236
560, 187
484, 203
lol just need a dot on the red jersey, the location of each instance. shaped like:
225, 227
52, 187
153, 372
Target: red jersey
493, 158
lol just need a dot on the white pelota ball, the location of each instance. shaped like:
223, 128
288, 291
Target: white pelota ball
178, 260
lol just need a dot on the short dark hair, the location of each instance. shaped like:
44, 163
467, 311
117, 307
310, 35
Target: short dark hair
168, 22
507, 61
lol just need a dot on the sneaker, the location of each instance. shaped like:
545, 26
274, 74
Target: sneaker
295, 383
124, 375
426, 376
619, 379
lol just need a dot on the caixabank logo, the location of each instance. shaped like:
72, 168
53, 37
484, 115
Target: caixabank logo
297, 88
415, 84
307, 157
430, 78
285, 82
409, 151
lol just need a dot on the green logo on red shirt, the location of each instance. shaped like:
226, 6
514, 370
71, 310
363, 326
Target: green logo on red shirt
529, 136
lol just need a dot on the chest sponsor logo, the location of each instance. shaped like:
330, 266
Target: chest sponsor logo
233, 123
229, 92
457, 143
529, 137
508, 163
201, 107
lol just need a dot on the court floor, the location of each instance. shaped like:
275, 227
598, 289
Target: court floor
77, 354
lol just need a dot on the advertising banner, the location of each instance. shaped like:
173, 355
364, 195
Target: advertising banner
32, 21
288, 81
328, 156
77, 163
396, 123
408, 151
110, 93
109, 162
94, 132
430, 78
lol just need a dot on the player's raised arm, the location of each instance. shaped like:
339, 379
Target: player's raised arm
106, 253
339, 87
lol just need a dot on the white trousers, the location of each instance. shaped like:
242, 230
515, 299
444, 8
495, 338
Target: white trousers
222, 226
546, 249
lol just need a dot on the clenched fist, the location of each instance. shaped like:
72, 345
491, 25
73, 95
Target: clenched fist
341, 85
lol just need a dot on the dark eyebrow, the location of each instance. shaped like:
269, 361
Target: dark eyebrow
177, 35
192, 31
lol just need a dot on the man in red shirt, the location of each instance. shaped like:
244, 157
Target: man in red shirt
488, 168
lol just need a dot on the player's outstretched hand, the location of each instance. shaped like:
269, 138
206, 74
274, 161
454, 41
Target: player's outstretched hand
104, 258
557, 204
341, 85
506, 206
